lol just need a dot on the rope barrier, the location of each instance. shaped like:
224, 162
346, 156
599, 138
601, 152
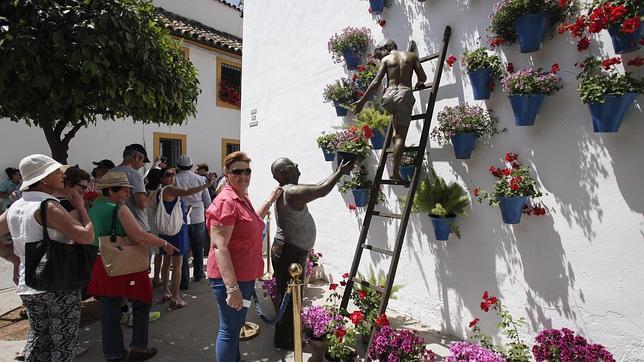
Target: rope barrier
280, 312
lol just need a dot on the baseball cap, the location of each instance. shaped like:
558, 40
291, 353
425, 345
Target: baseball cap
138, 148
184, 161
104, 163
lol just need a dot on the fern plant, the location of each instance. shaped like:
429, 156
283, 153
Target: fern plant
440, 199
377, 119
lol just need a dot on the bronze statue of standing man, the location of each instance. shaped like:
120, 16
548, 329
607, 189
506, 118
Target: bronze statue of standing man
398, 98
296, 232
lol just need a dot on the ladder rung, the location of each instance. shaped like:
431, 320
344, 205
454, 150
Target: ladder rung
378, 250
368, 285
406, 149
418, 116
394, 182
429, 57
424, 87
387, 214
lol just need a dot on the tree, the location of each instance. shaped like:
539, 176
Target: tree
64, 64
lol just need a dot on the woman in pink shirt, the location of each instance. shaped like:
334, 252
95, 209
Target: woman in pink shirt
236, 260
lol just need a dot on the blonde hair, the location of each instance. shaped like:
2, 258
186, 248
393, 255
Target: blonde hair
235, 157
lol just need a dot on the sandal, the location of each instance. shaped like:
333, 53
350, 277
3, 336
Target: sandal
142, 355
177, 304
156, 283
166, 298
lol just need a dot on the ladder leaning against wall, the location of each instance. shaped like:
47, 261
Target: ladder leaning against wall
412, 185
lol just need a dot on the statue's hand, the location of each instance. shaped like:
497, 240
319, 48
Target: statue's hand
345, 167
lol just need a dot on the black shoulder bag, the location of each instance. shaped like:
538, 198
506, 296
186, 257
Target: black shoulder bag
51, 265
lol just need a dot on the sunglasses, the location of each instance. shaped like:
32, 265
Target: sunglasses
169, 174
239, 171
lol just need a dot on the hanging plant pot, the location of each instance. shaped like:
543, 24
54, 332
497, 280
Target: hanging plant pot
608, 116
442, 226
463, 145
406, 172
317, 348
481, 83
525, 108
328, 155
351, 58
530, 30
512, 208
624, 42
340, 111
377, 6
378, 139
360, 196
345, 156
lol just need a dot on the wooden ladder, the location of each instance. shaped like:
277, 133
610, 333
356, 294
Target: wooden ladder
413, 184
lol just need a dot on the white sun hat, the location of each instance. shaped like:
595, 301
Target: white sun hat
35, 168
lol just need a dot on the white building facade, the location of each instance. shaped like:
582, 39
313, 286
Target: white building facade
578, 267
210, 31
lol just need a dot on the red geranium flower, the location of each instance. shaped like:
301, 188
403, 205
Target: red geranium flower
340, 333
367, 132
451, 60
611, 61
343, 283
506, 172
333, 286
562, 3
474, 322
382, 22
510, 68
583, 43
493, 171
360, 94
555, 68
630, 25
352, 206
345, 275
382, 320
356, 317
485, 295
511, 157
361, 68
362, 294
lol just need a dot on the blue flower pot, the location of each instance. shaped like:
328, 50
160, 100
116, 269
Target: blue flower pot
328, 155
406, 172
463, 145
348, 156
530, 29
525, 108
622, 42
608, 116
442, 226
351, 58
378, 139
360, 196
481, 80
512, 208
377, 6
339, 110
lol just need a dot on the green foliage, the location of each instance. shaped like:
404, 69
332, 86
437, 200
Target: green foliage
365, 74
329, 141
342, 91
374, 117
408, 158
64, 63
595, 83
480, 59
506, 11
368, 300
359, 180
353, 140
357, 39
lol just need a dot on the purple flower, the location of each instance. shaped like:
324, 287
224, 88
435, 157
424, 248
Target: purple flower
270, 288
563, 345
399, 345
318, 321
466, 351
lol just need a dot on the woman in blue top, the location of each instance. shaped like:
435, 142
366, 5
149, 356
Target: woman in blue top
171, 195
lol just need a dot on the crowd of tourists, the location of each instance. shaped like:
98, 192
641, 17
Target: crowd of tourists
73, 234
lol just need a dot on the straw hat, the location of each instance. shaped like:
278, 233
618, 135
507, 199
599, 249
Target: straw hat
114, 179
35, 168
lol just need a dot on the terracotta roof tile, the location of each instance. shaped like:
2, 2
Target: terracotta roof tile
196, 31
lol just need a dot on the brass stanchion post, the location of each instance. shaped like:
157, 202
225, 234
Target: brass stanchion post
295, 286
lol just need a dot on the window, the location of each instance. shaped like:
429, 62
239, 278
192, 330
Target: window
170, 145
228, 84
228, 146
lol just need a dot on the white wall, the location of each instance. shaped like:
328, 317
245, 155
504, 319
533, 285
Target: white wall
107, 139
209, 12
579, 266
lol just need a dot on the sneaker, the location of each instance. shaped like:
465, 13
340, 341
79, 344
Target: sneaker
154, 316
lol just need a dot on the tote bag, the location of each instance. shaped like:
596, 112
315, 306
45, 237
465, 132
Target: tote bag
168, 224
121, 255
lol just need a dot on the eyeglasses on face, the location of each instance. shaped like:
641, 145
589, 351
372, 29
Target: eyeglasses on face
239, 171
84, 187
169, 174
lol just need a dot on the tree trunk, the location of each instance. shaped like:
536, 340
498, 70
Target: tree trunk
58, 143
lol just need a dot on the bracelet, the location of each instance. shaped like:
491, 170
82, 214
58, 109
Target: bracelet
232, 290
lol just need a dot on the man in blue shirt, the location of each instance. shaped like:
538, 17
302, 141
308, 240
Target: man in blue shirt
14, 179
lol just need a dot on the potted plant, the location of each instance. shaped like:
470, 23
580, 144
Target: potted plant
398, 344
443, 203
352, 145
407, 166
317, 324
378, 120
340, 93
359, 184
527, 88
328, 142
513, 187
608, 93
365, 74
463, 124
312, 265
482, 69
620, 17
467, 351
553, 344
527, 20
349, 45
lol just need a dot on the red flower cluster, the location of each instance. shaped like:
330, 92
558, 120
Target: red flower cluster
583, 43
345, 275
500, 172
495, 42
488, 302
367, 132
230, 93
555, 68
536, 210
510, 68
637, 62
356, 317
515, 183
382, 320
333, 286
340, 333
451, 60
611, 61
362, 294
352, 206
512, 157
474, 322
630, 25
